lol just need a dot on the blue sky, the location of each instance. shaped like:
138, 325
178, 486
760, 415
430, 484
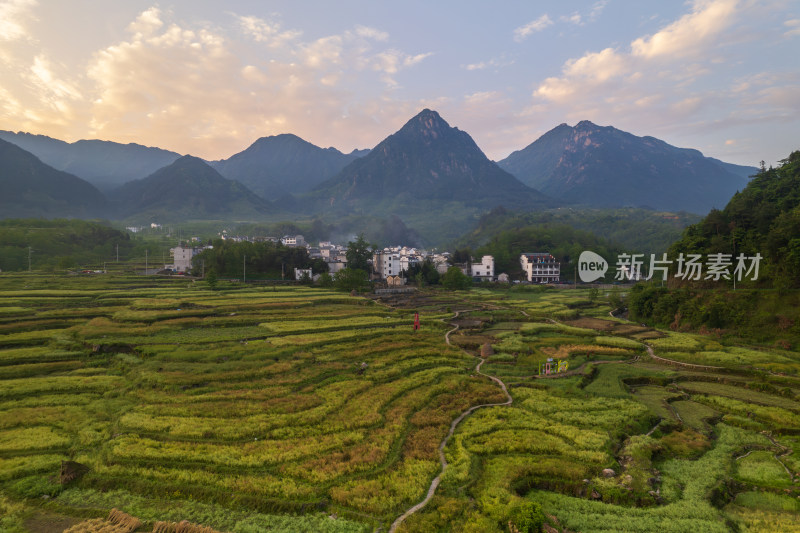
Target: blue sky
208, 78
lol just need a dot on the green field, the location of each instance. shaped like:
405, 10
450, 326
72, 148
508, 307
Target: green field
286, 408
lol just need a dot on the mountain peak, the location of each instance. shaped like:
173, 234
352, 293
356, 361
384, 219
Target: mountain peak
427, 159
428, 123
586, 125
603, 166
283, 164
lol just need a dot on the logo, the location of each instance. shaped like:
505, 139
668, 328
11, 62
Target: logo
591, 266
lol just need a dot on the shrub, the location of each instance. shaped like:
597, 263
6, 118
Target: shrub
527, 517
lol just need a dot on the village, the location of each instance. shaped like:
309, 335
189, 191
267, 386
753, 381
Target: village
389, 264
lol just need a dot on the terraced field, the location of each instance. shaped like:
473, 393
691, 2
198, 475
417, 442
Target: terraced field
299, 409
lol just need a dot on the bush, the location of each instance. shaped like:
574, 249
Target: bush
527, 517
350, 279
454, 279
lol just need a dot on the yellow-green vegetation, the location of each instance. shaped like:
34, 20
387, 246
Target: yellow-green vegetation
287, 408
621, 442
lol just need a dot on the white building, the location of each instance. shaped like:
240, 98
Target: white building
483, 270
395, 260
540, 267
293, 240
298, 273
336, 266
386, 263
182, 257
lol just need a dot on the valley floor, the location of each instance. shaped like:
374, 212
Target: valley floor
132, 404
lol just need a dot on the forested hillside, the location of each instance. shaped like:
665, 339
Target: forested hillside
635, 230
59, 243
764, 218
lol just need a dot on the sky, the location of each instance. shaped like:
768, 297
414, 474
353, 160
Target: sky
209, 78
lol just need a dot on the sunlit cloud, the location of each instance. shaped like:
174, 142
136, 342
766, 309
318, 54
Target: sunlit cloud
794, 27
690, 33
217, 104
532, 27
14, 15
656, 57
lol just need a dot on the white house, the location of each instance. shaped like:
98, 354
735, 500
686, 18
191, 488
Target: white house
386, 263
485, 269
293, 240
298, 273
182, 257
540, 267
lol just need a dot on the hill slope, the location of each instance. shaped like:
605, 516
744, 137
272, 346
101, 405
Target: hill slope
428, 160
104, 164
764, 218
187, 189
30, 188
275, 166
605, 167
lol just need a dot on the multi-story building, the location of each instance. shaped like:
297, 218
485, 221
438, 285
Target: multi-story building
540, 267
293, 240
182, 257
483, 270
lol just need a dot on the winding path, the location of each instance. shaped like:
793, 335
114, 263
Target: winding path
453, 425
679, 363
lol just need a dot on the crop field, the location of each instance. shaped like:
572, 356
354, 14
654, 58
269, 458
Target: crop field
288, 408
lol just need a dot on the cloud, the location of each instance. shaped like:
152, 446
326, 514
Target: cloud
794, 27
611, 69
492, 63
580, 19
689, 34
372, 33
13, 17
532, 27
264, 31
190, 88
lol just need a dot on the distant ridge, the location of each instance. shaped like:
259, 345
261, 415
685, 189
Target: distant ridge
606, 167
276, 166
187, 189
104, 164
30, 188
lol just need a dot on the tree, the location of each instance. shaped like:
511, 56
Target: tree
325, 280
455, 279
424, 273
350, 279
461, 256
358, 254
211, 280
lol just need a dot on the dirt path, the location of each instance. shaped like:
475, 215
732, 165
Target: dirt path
453, 425
679, 363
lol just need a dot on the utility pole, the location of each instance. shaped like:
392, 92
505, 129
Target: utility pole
203, 269
117, 253
30, 250
145, 261
244, 269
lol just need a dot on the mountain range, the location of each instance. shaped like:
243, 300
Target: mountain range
426, 160
30, 188
280, 165
606, 167
188, 188
104, 164
432, 176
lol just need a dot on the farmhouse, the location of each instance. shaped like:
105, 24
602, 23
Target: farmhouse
540, 267
182, 257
